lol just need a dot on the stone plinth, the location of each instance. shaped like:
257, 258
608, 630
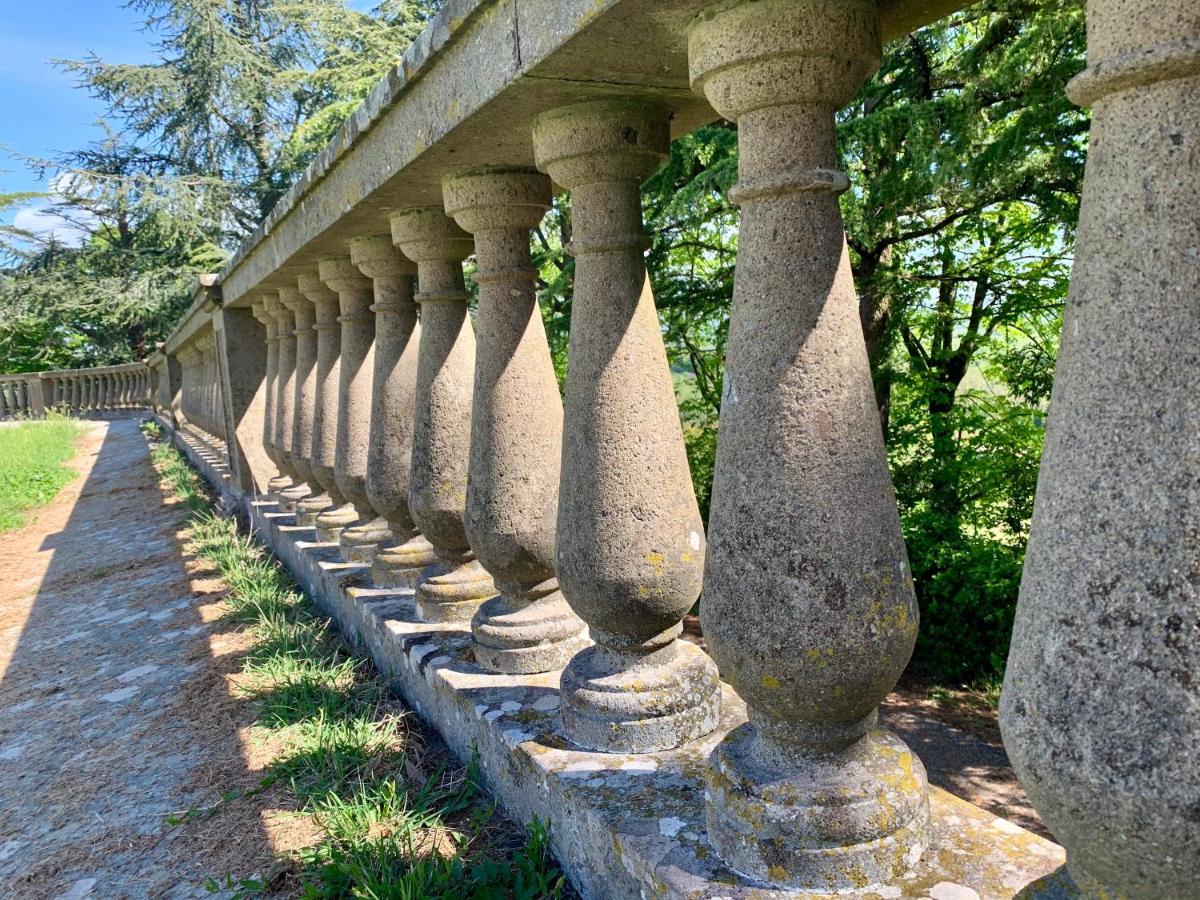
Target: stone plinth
622, 825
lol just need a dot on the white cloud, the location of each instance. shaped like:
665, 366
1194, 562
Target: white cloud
45, 223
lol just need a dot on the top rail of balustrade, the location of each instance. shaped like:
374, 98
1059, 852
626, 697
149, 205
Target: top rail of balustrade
465, 94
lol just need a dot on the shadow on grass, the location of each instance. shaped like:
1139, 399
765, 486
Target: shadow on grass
396, 815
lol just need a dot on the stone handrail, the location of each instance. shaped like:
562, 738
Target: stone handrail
353, 398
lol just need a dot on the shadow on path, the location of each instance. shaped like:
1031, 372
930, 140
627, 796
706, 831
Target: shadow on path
115, 708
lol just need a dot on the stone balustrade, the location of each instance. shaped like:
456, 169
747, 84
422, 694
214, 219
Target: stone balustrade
98, 392
413, 463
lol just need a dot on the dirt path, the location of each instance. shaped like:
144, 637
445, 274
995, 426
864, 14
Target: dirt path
114, 706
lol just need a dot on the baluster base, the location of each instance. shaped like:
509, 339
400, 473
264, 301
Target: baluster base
525, 632
401, 565
310, 508
276, 488
293, 495
360, 541
819, 821
453, 590
331, 523
640, 699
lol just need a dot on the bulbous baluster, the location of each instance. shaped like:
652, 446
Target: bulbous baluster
630, 542
398, 562
516, 431
808, 601
453, 589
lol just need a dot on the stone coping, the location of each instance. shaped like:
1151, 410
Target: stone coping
621, 825
68, 373
464, 94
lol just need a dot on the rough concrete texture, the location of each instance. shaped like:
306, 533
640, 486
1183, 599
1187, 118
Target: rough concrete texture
285, 400
622, 825
453, 588
299, 447
1101, 702
305, 423
399, 560
804, 525
516, 430
272, 310
356, 374
237, 394
338, 513
630, 547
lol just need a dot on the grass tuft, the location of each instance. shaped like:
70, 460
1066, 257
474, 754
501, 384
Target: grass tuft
33, 457
397, 822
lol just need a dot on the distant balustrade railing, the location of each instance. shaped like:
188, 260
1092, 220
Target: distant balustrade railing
77, 392
337, 361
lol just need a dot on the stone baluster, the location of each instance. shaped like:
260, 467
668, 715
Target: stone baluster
516, 431
305, 424
1101, 703
453, 589
398, 562
285, 397
808, 600
74, 401
360, 539
630, 541
6, 404
338, 513
308, 500
264, 312
124, 390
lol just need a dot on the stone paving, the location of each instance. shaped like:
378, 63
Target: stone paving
102, 642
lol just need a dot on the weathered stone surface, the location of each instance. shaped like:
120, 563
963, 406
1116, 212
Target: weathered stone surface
622, 825
516, 430
453, 588
360, 538
297, 309
241, 395
283, 481
399, 560
804, 525
1101, 702
314, 500
285, 383
338, 513
630, 542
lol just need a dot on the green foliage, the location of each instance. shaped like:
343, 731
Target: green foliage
33, 457
199, 146
967, 161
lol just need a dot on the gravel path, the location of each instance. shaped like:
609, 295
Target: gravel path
102, 642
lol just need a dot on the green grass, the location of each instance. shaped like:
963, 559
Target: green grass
397, 820
33, 457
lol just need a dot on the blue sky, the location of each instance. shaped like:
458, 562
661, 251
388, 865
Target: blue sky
43, 112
